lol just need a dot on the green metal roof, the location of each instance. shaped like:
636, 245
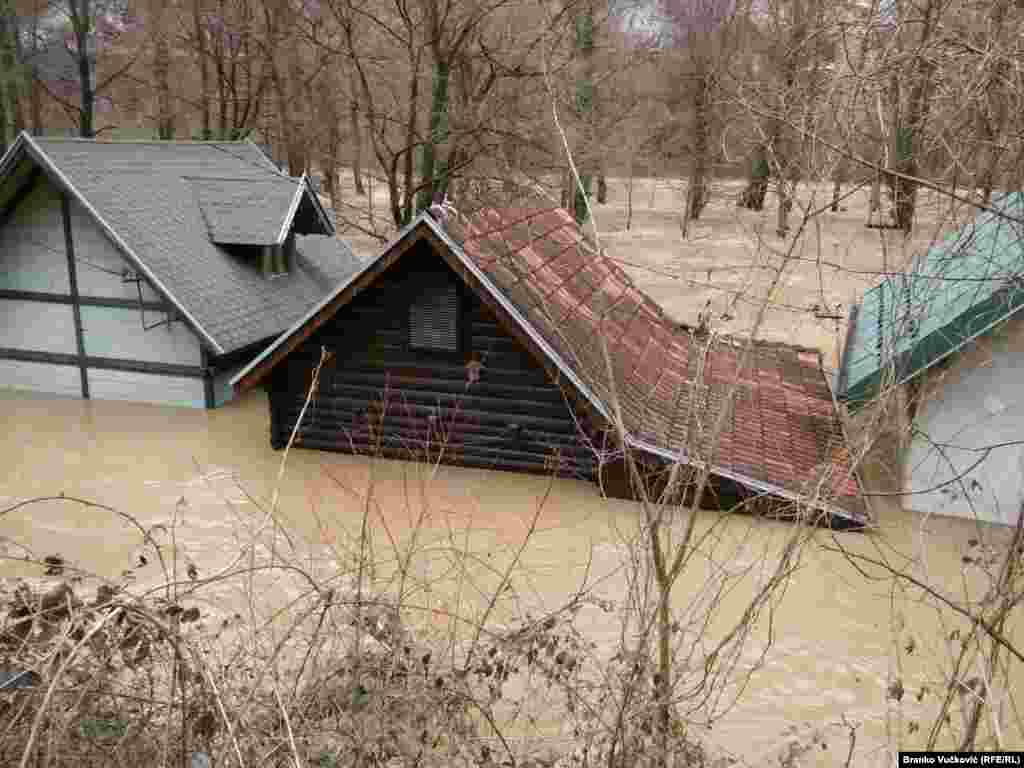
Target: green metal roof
958, 290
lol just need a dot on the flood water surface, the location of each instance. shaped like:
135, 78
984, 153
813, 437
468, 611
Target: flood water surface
214, 474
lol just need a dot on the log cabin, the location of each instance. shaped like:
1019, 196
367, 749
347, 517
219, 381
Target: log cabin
476, 340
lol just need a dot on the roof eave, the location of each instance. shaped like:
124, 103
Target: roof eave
748, 482
65, 183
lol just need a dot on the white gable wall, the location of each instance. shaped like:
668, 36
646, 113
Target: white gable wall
32, 245
973, 403
100, 264
32, 325
33, 258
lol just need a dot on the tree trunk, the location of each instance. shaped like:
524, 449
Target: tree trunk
757, 186
785, 206
584, 109
80, 14
433, 173
9, 76
906, 132
5, 137
566, 191
329, 161
298, 114
204, 70
696, 195
161, 67
994, 110
36, 105
402, 208
629, 185
357, 142
838, 179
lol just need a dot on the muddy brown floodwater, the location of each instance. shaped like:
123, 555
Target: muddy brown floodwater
835, 630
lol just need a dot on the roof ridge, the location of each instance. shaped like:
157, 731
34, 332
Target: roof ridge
269, 175
154, 142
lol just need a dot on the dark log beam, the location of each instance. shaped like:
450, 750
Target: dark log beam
69, 247
208, 394
84, 301
104, 363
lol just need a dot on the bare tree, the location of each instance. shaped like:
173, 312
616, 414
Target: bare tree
705, 34
11, 75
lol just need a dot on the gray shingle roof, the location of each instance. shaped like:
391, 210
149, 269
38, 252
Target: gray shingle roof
146, 193
244, 211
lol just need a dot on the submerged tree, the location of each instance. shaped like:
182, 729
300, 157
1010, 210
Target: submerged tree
704, 33
10, 75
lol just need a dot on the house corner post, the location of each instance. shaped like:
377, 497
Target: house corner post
76, 304
209, 398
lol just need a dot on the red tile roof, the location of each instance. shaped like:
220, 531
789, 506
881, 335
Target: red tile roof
783, 432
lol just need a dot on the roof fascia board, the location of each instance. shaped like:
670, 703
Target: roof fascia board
65, 183
317, 309
286, 225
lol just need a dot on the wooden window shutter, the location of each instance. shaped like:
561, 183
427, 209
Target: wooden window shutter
434, 313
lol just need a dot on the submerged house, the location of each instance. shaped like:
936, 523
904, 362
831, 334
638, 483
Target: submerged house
947, 338
152, 271
477, 342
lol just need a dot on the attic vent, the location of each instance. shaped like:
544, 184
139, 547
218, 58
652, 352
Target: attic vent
434, 314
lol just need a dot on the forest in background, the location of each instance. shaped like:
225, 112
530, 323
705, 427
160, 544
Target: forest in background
464, 96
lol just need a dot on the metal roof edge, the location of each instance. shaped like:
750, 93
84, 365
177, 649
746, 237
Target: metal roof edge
8, 157
256, 362
155, 142
289, 215
842, 375
907, 376
43, 159
758, 485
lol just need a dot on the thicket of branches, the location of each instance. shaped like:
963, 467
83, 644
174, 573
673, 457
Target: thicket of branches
466, 97
431, 93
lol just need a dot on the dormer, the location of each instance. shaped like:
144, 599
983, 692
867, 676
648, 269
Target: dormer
256, 219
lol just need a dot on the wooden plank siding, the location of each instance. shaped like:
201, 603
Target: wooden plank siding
378, 395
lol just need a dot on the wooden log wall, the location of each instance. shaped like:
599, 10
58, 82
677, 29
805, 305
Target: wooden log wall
379, 396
